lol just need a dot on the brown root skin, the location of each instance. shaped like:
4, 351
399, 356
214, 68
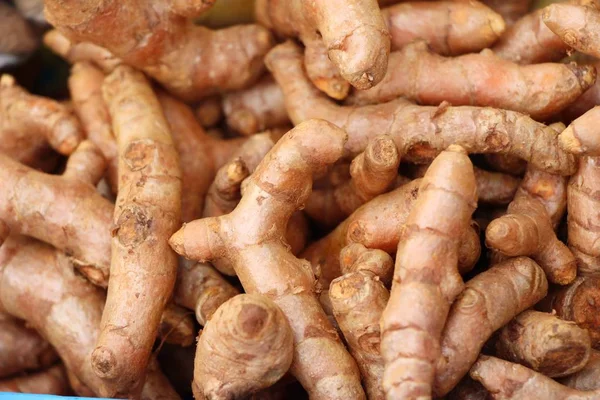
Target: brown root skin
548, 189
16, 35
579, 303
356, 257
495, 188
22, 348
527, 230
585, 102
191, 8
508, 381
468, 389
358, 299
427, 78
588, 378
529, 41
580, 136
50, 381
544, 343
256, 108
81, 52
209, 111
322, 72
251, 239
353, 31
144, 34
578, 25
424, 286
584, 217
148, 211
375, 225
28, 123
511, 10
40, 205
442, 25
191, 139
27, 269
506, 163
177, 326
420, 132
201, 288
247, 346
489, 301
372, 173
85, 86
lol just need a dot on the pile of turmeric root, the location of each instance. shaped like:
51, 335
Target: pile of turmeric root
350, 199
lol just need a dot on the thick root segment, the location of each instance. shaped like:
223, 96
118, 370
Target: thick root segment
41, 205
420, 75
509, 381
353, 31
528, 227
28, 123
50, 381
420, 132
85, 86
375, 225
581, 136
148, 209
252, 240
580, 302
584, 216
22, 348
372, 173
545, 343
495, 188
357, 300
511, 10
201, 288
442, 25
322, 72
247, 346
190, 61
489, 301
577, 24
426, 278
255, 109
27, 269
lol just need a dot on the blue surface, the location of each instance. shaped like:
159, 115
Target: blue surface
24, 396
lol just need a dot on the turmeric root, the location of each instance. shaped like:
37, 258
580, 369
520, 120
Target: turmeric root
489, 301
255, 109
495, 188
578, 25
17, 38
41, 205
420, 132
420, 75
247, 346
321, 71
190, 61
358, 299
22, 348
27, 269
148, 209
28, 123
375, 225
506, 163
426, 278
372, 173
442, 25
579, 303
50, 381
583, 217
580, 136
202, 289
510, 10
176, 327
585, 102
209, 111
587, 378
508, 381
354, 33
528, 230
468, 389
251, 240
544, 343
85, 86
